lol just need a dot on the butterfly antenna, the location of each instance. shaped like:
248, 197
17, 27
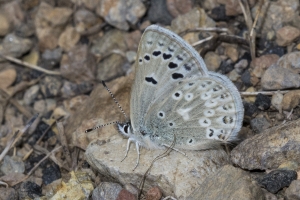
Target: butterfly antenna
91, 129
111, 94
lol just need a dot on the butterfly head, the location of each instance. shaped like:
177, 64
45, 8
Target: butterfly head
125, 128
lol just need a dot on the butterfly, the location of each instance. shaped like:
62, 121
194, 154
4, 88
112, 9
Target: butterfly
175, 96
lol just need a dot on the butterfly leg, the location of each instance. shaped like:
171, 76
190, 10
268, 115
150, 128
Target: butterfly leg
128, 146
138, 151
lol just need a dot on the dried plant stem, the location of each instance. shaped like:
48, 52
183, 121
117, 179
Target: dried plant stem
63, 141
31, 66
270, 93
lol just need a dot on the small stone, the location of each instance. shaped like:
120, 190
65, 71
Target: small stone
290, 100
259, 124
250, 109
212, 61
232, 52
132, 40
70, 89
74, 103
29, 189
50, 86
40, 106
8, 194
111, 67
131, 56
226, 66
233, 76
125, 195
286, 35
246, 78
51, 58
50, 174
278, 78
290, 165
32, 57
233, 7
290, 61
196, 18
278, 179
78, 65
218, 13
276, 101
263, 102
85, 20
293, 191
4, 25
14, 12
153, 193
176, 7
7, 77
158, 12
241, 65
30, 94
68, 39
106, 190
52, 188
262, 63
25, 29
121, 13
15, 46
250, 98
11, 165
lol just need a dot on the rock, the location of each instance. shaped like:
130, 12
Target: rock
158, 12
29, 189
50, 23
218, 13
112, 67
12, 165
14, 12
78, 187
121, 14
8, 194
132, 40
241, 65
7, 77
50, 174
232, 52
278, 78
263, 102
228, 183
259, 124
68, 39
246, 78
154, 194
90, 4
74, 103
40, 106
78, 65
278, 179
30, 94
196, 18
4, 25
106, 190
250, 98
286, 35
212, 61
85, 20
177, 7
125, 195
276, 101
70, 89
233, 76
274, 15
233, 7
112, 40
293, 191
250, 109
226, 66
270, 148
208, 4
51, 58
15, 46
50, 86
290, 61
25, 29
50, 189
262, 63
290, 100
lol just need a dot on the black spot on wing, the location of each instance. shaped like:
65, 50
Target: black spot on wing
147, 57
177, 75
172, 65
179, 57
156, 53
167, 56
151, 80
187, 67
170, 49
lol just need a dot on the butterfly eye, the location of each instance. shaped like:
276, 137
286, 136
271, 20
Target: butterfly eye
126, 128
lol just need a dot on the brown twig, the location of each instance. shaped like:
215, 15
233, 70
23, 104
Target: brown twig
270, 93
63, 141
31, 66
208, 29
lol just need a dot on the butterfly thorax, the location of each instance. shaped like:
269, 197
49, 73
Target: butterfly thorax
142, 137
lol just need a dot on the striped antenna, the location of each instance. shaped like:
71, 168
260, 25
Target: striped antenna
100, 126
111, 94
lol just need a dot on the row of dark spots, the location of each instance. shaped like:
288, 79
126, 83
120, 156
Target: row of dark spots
227, 120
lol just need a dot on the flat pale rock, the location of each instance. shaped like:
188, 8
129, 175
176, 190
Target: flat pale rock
228, 183
175, 174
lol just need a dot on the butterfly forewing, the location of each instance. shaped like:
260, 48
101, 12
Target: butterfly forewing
174, 95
